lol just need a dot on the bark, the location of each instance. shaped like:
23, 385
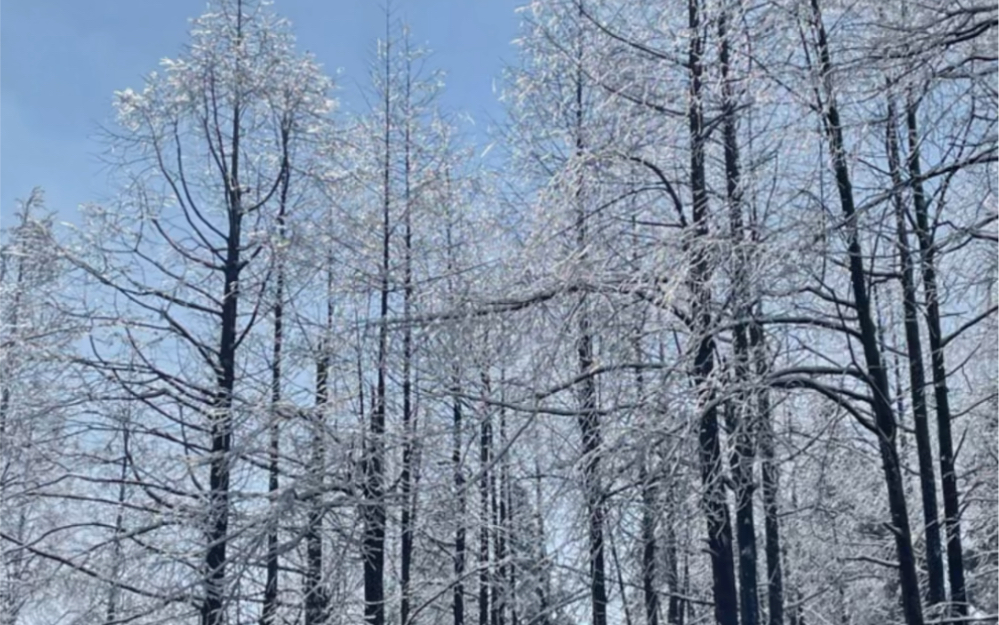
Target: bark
650, 594
212, 607
269, 611
938, 367
111, 614
917, 376
741, 410
710, 460
374, 513
501, 589
884, 417
771, 479
485, 434
649, 552
589, 420
620, 582
508, 569
458, 594
675, 609
406, 479
495, 577
316, 597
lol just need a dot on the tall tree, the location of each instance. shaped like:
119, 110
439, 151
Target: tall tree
243, 97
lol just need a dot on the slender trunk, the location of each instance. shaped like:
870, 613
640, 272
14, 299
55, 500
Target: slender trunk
213, 605
111, 614
460, 532
650, 594
406, 479
710, 458
674, 611
491, 511
502, 529
917, 376
316, 597
620, 582
374, 490
221, 430
458, 604
485, 435
507, 515
589, 421
884, 417
938, 367
771, 479
542, 590
496, 612
744, 422
649, 590
269, 611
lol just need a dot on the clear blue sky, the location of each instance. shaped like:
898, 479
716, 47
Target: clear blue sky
61, 60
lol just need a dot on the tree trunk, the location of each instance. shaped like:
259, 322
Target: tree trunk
374, 490
884, 418
716, 509
589, 421
269, 611
111, 614
316, 597
485, 434
771, 480
212, 608
507, 515
674, 611
406, 479
917, 376
927, 255
458, 604
741, 411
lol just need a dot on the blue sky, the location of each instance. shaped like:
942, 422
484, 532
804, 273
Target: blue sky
61, 60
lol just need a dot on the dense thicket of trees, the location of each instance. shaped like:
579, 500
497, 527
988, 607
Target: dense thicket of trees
713, 339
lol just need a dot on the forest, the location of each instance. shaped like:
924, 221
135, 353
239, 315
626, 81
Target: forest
707, 334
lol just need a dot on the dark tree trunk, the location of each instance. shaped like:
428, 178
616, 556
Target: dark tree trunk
316, 597
743, 424
458, 594
221, 433
649, 583
917, 376
213, 606
111, 614
508, 567
406, 479
269, 611
927, 255
620, 581
504, 566
541, 589
485, 434
674, 611
374, 470
710, 458
496, 576
771, 480
589, 421
884, 417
